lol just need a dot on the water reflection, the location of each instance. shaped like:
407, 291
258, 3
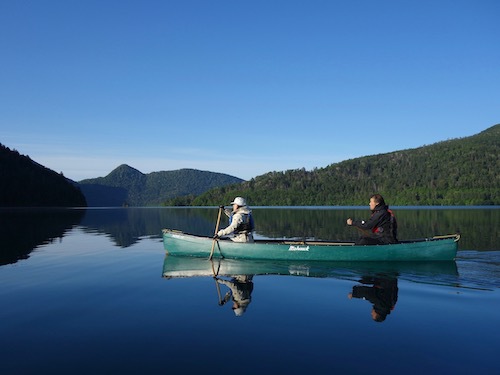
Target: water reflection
380, 290
22, 230
476, 224
240, 291
376, 282
127, 225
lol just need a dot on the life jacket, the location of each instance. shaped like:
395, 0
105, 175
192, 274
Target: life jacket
246, 226
393, 226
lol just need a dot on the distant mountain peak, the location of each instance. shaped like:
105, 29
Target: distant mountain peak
125, 169
125, 185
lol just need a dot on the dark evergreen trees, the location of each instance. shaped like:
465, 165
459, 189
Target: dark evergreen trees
462, 171
25, 183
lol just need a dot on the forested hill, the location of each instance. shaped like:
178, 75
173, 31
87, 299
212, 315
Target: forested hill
463, 171
128, 186
25, 183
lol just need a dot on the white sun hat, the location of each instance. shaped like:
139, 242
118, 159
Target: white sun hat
239, 201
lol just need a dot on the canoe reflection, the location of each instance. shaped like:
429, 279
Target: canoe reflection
376, 282
381, 291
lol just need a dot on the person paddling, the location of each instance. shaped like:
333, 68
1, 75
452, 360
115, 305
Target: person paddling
241, 224
381, 228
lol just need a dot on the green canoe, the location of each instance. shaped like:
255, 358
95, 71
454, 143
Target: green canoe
438, 248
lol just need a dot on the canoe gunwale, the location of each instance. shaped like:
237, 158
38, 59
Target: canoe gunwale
439, 248
455, 236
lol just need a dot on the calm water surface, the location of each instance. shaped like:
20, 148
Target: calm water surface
91, 291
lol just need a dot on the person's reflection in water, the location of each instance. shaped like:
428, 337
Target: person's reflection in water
382, 293
241, 287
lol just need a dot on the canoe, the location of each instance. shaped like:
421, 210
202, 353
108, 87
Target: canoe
187, 266
437, 248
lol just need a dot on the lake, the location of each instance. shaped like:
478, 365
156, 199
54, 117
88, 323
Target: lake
91, 291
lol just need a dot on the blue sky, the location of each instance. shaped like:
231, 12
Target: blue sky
241, 87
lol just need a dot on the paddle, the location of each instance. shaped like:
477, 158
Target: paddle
216, 273
216, 230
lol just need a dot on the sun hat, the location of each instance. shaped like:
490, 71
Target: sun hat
239, 201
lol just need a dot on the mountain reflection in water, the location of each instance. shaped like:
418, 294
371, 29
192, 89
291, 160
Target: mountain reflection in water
22, 230
83, 293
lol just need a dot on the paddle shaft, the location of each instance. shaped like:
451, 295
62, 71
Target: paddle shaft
215, 273
216, 230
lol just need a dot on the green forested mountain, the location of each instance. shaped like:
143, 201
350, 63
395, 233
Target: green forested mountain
463, 171
25, 183
128, 186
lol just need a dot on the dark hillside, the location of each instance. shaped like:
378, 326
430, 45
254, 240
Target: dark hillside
463, 171
25, 183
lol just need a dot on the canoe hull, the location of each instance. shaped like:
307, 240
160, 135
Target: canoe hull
433, 249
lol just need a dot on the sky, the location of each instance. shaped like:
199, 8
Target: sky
241, 87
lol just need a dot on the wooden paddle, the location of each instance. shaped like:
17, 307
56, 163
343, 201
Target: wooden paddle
216, 230
216, 273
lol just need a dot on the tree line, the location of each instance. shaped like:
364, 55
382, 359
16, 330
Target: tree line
464, 171
25, 183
